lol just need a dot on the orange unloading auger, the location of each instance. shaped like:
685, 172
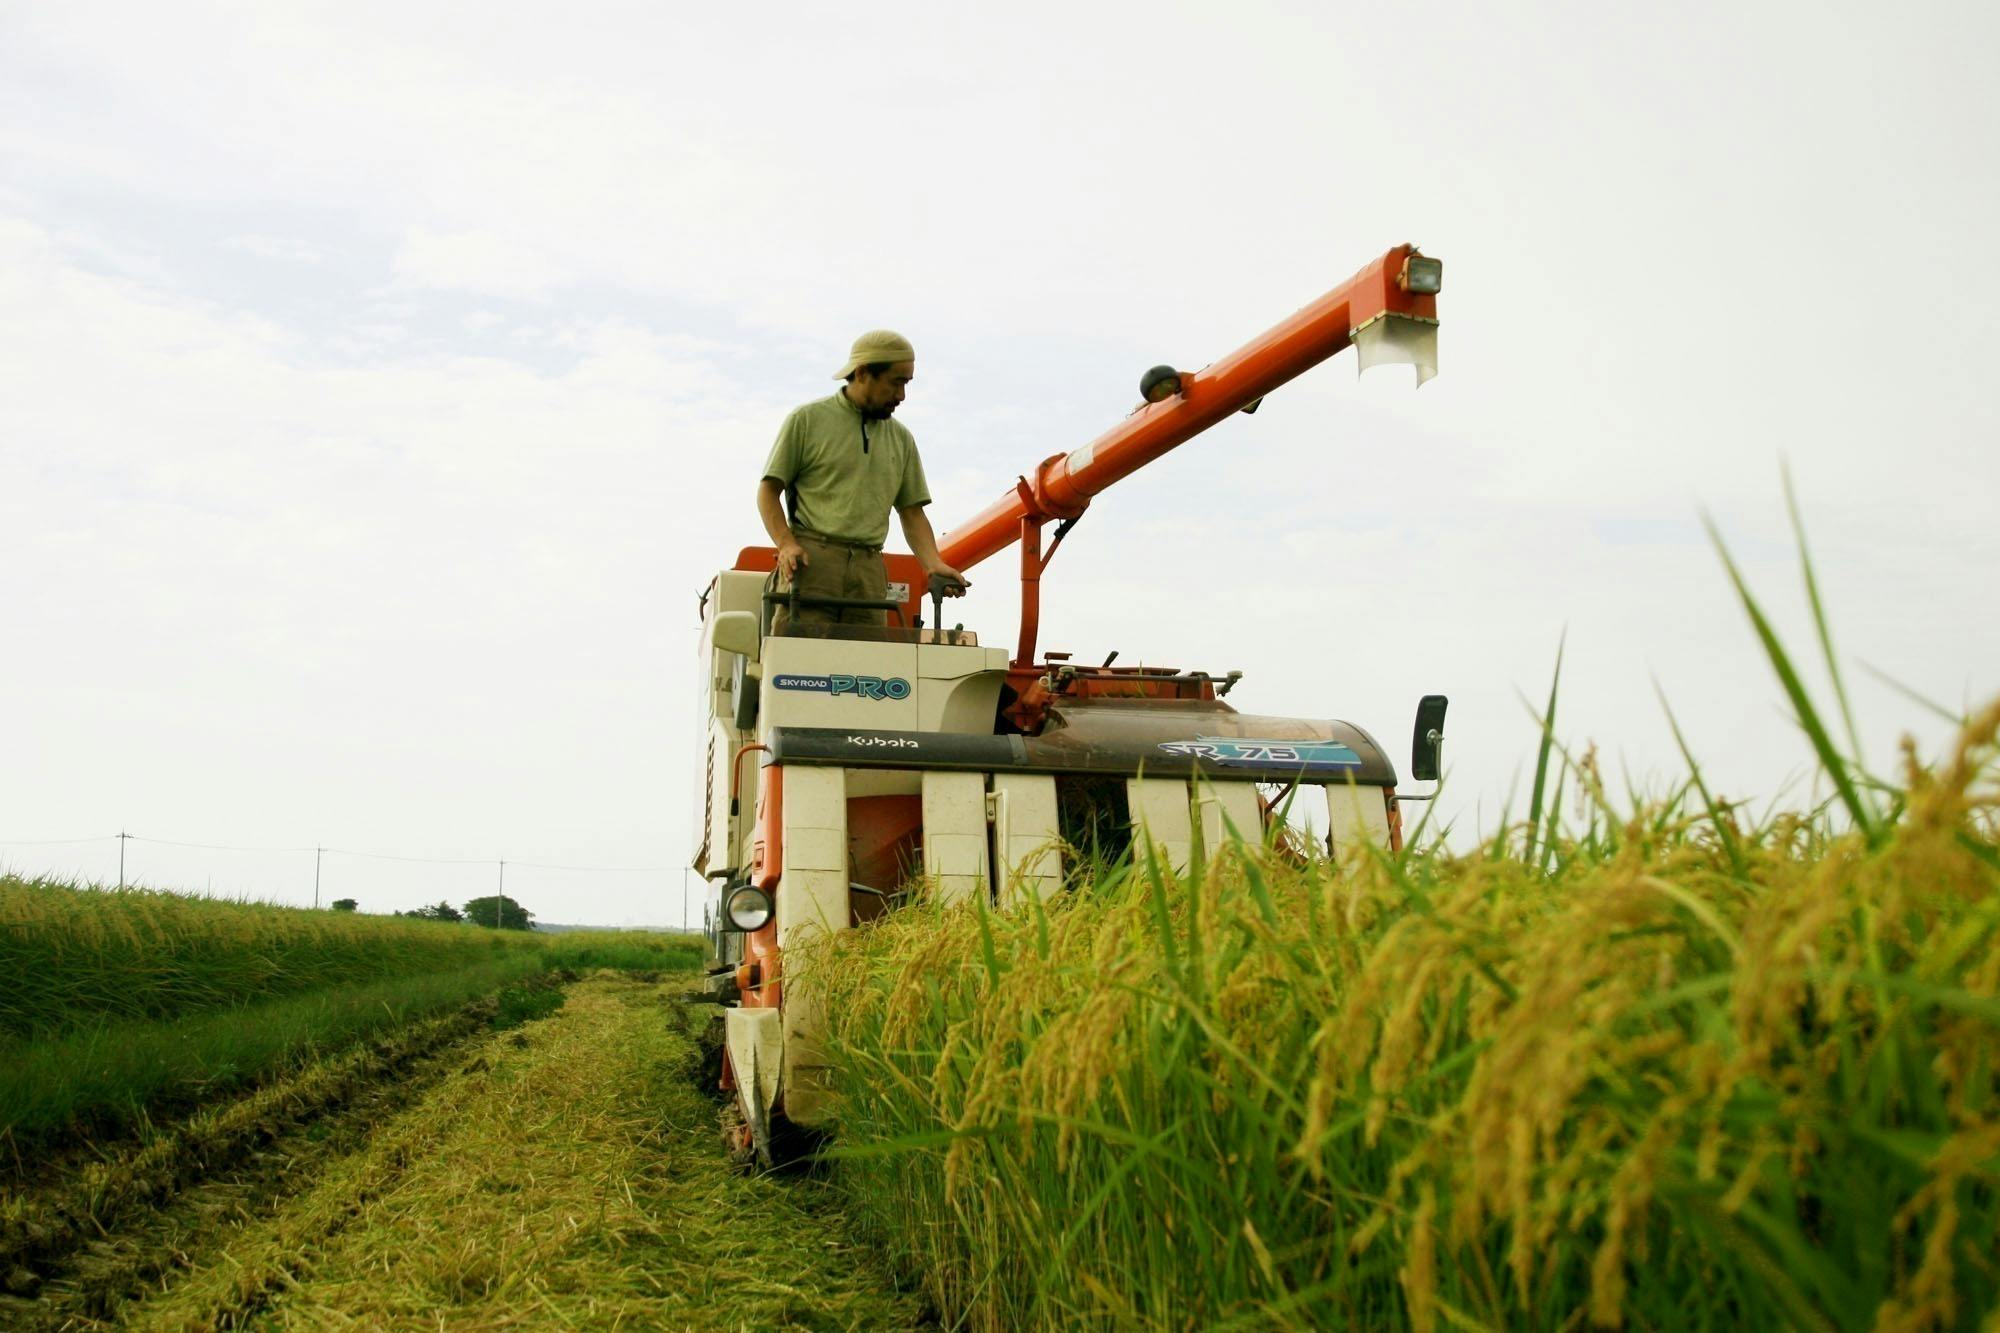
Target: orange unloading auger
1386, 301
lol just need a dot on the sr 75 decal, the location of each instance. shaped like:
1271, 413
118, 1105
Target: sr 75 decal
1230, 750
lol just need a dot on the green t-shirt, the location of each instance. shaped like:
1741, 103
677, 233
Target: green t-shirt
840, 488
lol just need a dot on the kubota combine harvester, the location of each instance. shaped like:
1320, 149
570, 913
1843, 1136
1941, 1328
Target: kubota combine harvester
845, 762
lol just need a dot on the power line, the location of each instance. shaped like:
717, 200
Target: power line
420, 860
214, 846
610, 870
336, 851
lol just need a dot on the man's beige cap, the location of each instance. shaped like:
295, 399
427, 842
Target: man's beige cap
879, 345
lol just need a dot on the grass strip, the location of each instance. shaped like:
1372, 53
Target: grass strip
74, 957
624, 951
105, 1079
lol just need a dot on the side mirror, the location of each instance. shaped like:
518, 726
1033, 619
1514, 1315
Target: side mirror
743, 685
737, 632
1427, 743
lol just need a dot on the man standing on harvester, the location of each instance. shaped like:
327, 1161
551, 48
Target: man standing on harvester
839, 466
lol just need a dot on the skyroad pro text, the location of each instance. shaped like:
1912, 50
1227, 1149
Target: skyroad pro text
864, 687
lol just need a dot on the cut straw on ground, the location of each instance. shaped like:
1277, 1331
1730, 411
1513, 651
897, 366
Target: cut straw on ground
570, 1176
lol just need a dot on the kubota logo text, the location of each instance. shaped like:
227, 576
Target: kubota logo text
861, 687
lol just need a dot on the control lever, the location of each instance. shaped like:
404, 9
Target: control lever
940, 585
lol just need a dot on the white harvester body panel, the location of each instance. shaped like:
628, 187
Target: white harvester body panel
1027, 837
921, 687
715, 829
839, 683
1160, 813
812, 892
1225, 810
812, 901
1355, 816
955, 834
958, 687
719, 831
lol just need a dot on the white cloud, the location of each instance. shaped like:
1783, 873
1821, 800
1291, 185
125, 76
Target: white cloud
279, 597
372, 403
283, 249
483, 263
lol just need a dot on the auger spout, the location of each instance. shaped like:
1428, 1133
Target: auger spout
1390, 307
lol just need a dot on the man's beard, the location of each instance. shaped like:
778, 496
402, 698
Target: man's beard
878, 413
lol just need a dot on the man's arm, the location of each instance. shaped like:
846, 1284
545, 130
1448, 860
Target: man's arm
923, 543
771, 508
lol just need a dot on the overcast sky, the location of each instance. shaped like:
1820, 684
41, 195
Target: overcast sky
380, 384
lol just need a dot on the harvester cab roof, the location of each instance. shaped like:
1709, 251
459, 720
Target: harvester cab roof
844, 764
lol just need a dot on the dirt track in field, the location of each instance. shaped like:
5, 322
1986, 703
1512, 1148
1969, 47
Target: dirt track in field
563, 1174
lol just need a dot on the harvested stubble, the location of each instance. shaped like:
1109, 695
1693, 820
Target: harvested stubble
571, 1178
1670, 1072
114, 1216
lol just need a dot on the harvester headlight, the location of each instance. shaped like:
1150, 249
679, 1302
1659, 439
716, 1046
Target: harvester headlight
747, 907
1423, 275
1159, 384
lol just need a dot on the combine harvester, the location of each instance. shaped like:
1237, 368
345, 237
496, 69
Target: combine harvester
843, 761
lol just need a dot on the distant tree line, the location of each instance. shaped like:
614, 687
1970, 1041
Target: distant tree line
495, 911
438, 911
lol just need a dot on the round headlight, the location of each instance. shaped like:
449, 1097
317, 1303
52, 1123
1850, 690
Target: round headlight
747, 907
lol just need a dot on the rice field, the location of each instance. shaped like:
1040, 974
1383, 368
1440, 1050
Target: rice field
1654, 1066
1667, 1073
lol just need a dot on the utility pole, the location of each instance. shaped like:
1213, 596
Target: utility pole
501, 896
122, 836
318, 852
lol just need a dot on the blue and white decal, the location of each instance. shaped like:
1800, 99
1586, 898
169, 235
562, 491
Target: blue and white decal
1246, 751
859, 687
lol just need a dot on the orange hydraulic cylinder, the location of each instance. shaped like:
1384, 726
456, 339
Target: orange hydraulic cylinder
1063, 484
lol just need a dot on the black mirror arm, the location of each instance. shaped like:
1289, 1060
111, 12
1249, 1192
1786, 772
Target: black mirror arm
1427, 744
1435, 740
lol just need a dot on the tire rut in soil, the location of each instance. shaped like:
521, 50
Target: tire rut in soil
74, 1246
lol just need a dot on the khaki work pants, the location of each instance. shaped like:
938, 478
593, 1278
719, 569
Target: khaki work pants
836, 569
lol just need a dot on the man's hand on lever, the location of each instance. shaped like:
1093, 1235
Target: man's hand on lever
792, 558
944, 579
